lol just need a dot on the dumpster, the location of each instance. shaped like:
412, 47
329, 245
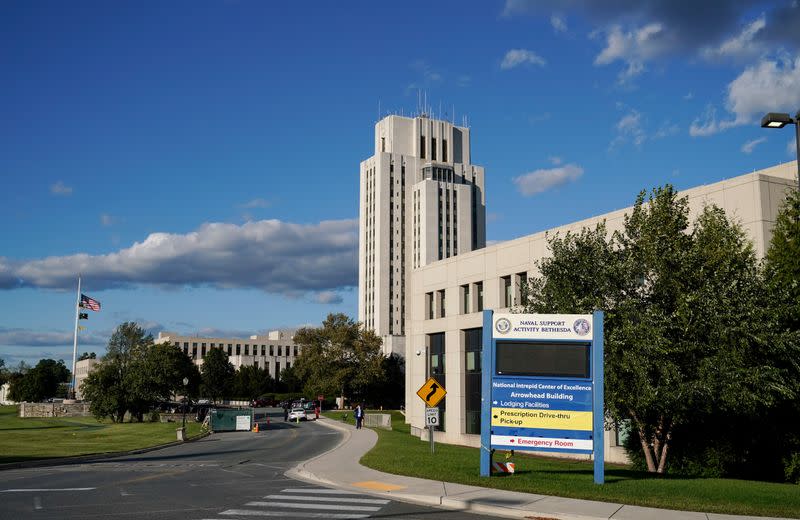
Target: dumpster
229, 420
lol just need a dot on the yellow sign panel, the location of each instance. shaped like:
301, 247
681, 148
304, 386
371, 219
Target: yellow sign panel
545, 419
431, 392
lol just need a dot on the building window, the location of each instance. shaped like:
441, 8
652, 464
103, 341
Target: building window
433, 148
194, 351
230, 349
441, 303
444, 150
277, 370
247, 350
383, 144
505, 283
473, 346
422, 147
280, 350
255, 364
479, 294
263, 350
429, 305
238, 349
436, 350
465, 299
271, 350
522, 281
295, 351
203, 351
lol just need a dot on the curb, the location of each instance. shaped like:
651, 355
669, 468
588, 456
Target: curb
79, 459
300, 472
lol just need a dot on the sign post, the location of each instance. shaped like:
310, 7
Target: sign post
542, 385
431, 392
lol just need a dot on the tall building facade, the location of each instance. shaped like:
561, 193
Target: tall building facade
421, 200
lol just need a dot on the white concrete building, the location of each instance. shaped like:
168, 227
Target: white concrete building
421, 200
422, 286
82, 370
274, 352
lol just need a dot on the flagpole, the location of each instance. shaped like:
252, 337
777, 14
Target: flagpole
75, 335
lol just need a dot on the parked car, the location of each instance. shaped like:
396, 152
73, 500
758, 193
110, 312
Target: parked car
298, 413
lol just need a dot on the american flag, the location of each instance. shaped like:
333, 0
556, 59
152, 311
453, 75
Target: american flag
89, 303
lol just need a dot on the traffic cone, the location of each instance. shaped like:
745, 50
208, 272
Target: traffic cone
255, 428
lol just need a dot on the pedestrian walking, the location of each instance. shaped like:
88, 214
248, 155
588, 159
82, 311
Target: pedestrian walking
285, 413
359, 414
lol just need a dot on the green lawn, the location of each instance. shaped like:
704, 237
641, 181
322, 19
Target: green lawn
32, 439
400, 453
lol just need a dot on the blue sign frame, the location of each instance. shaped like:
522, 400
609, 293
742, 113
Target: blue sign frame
570, 393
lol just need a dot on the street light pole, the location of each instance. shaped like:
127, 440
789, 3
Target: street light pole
185, 403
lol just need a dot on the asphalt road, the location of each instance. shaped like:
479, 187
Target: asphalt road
224, 476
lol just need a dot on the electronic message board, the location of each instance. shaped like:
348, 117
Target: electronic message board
542, 385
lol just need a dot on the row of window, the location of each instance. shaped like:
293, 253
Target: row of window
423, 141
471, 296
238, 350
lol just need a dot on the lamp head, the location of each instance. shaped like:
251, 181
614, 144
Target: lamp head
776, 120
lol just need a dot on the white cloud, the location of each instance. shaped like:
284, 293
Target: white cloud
327, 297
749, 146
59, 188
739, 46
688, 96
256, 203
38, 338
559, 23
555, 160
107, 220
629, 128
766, 86
463, 80
270, 255
517, 57
632, 48
542, 180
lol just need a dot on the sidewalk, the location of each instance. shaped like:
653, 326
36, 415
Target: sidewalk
340, 468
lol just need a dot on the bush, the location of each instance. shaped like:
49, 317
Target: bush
791, 468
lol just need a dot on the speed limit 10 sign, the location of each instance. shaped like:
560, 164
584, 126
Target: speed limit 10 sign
431, 417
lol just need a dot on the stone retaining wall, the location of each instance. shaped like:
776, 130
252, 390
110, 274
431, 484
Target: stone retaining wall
54, 410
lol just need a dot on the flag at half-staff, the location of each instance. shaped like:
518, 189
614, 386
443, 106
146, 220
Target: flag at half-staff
89, 303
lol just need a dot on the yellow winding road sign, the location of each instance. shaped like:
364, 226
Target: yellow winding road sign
431, 392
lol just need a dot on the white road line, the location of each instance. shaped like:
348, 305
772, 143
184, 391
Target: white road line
333, 507
328, 499
320, 491
42, 490
287, 514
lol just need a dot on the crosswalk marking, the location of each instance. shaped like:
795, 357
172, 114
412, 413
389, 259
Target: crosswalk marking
328, 499
321, 491
293, 505
309, 502
288, 514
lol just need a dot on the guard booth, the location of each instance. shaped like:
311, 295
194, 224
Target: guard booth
229, 420
542, 385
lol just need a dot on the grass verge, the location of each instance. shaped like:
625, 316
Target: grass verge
399, 453
46, 438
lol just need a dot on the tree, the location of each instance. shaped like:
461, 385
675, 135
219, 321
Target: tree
136, 374
389, 390
288, 381
40, 382
217, 374
338, 358
781, 266
3, 372
252, 382
685, 338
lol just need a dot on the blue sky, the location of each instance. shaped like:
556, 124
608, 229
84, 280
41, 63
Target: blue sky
198, 161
